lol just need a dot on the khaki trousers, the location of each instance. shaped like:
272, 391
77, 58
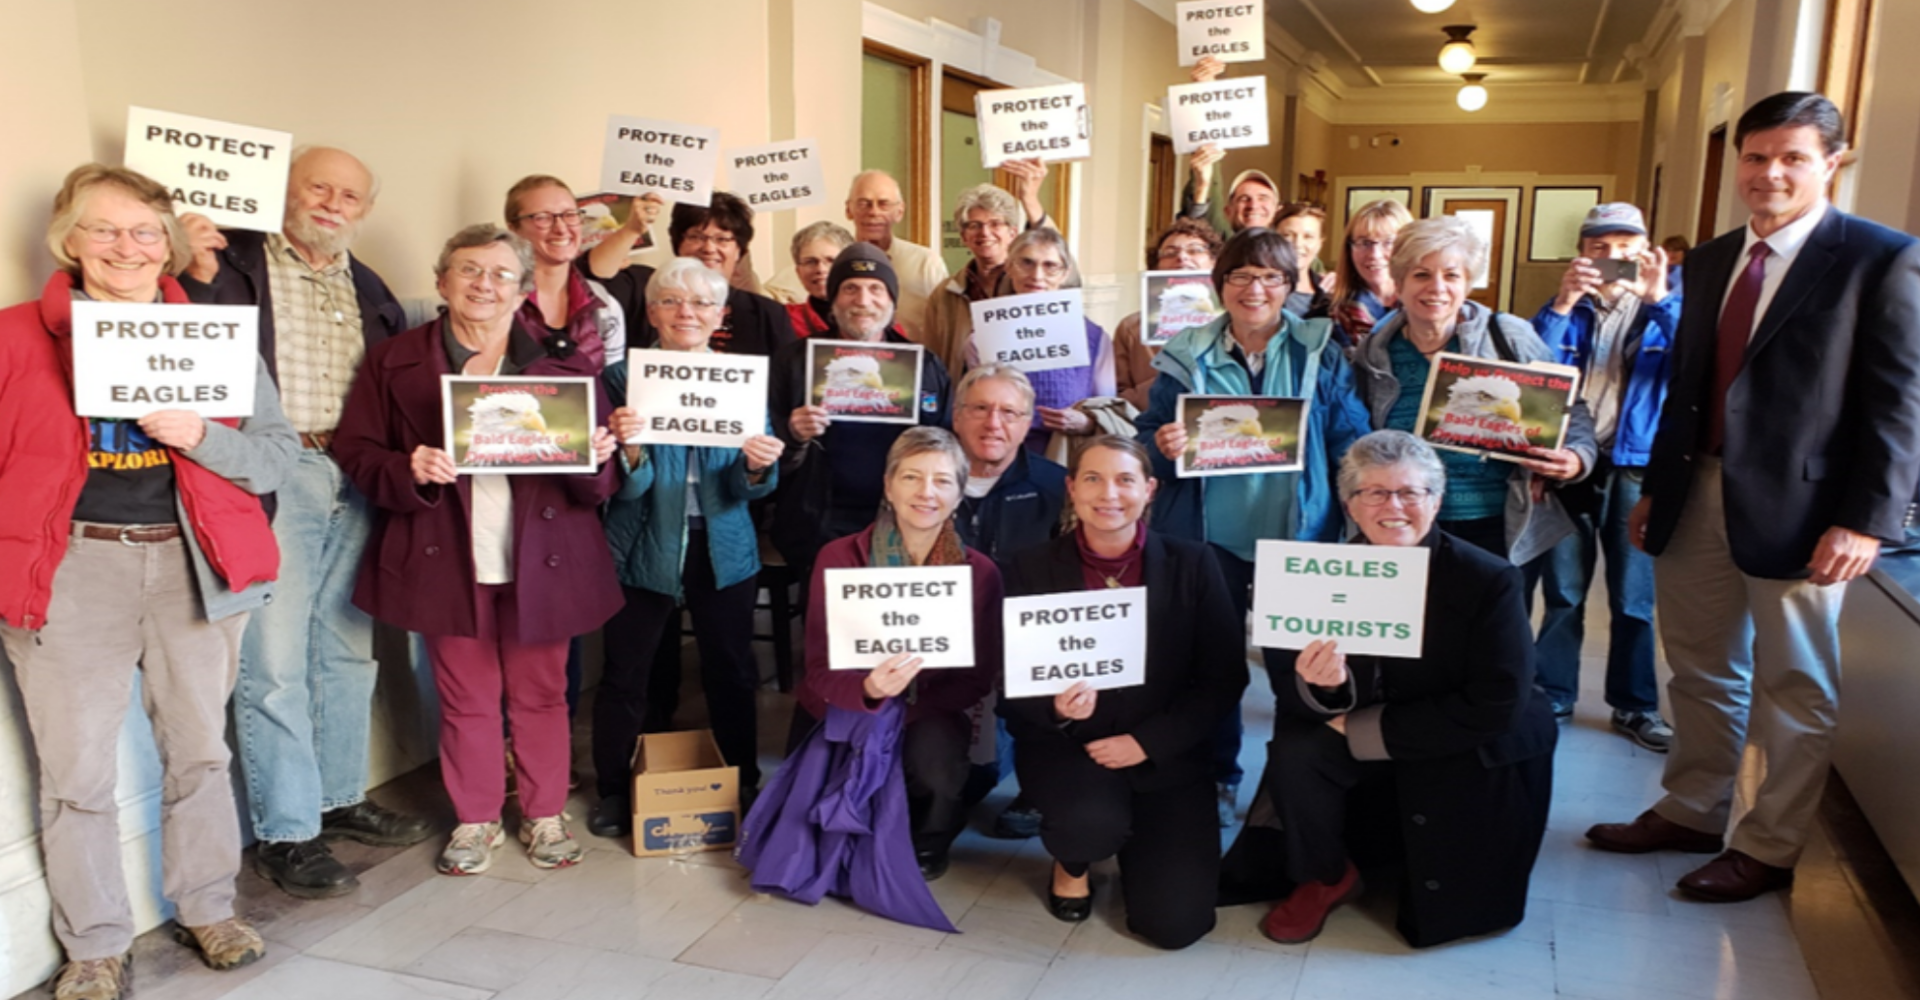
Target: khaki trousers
1756, 669
119, 608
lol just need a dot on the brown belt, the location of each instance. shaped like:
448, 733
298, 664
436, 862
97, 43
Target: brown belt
316, 441
127, 534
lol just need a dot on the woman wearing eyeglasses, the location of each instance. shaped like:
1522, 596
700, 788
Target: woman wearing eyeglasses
681, 534
497, 572
1456, 744
1187, 245
1363, 289
1038, 261
542, 210
1256, 349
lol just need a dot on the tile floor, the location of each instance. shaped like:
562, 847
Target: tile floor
1599, 926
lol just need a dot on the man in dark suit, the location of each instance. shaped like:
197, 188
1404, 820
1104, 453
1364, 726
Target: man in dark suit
1787, 453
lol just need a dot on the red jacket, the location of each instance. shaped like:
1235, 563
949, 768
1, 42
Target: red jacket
43, 466
418, 569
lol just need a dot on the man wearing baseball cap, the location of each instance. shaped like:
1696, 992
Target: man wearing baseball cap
1614, 318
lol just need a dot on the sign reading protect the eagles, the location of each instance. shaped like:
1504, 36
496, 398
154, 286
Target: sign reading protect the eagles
130, 360
1055, 641
1033, 332
1228, 113
1173, 302
704, 399
875, 613
518, 423
864, 382
1368, 599
1499, 409
1048, 123
781, 175
1241, 435
235, 175
673, 160
1234, 31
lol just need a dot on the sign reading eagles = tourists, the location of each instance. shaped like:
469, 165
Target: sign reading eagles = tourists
1046, 123
1368, 599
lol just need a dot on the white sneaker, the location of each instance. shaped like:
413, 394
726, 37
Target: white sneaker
549, 843
470, 849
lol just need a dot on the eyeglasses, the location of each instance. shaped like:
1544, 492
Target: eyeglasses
982, 411
499, 275
146, 236
868, 205
1050, 268
1271, 279
674, 305
1409, 497
975, 228
698, 239
1385, 246
543, 220
1175, 251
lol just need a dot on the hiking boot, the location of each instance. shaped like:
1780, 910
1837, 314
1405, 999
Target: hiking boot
229, 944
94, 979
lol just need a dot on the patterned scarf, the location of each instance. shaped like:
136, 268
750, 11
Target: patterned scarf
889, 549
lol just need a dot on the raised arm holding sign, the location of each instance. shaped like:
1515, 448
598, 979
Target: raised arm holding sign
235, 175
1227, 30
1225, 114
1044, 123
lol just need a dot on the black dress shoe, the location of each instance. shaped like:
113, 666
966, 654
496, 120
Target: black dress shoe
933, 864
611, 817
369, 823
1072, 909
306, 869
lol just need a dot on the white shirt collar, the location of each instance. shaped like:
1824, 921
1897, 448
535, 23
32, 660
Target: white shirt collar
1785, 243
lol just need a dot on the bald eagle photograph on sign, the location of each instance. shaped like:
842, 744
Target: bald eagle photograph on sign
864, 382
1241, 435
518, 423
1498, 409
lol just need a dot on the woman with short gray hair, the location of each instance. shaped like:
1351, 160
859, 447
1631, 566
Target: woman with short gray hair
987, 218
1501, 506
815, 248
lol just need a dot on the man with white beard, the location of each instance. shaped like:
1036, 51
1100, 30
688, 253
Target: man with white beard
303, 703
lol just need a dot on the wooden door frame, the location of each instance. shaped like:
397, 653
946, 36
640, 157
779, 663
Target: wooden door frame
1506, 240
920, 144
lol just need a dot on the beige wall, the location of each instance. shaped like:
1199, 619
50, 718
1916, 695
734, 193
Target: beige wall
1313, 145
46, 122
1053, 32
1595, 148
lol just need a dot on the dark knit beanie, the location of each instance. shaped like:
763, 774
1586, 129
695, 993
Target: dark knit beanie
862, 260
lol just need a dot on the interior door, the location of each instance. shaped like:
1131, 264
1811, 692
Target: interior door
1488, 217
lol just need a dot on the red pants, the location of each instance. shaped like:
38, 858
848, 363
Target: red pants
472, 674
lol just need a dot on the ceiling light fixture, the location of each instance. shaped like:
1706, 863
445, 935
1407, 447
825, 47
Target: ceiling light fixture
1431, 6
1457, 56
1473, 96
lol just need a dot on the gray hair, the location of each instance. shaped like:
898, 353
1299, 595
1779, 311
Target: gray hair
994, 200
920, 440
373, 180
1049, 237
71, 202
995, 369
485, 234
832, 232
1383, 449
687, 274
1444, 234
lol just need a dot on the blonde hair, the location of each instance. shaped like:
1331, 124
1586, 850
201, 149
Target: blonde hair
1444, 234
1374, 215
71, 203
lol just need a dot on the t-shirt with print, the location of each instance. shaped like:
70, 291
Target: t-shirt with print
129, 477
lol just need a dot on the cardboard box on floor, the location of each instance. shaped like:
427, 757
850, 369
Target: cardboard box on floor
685, 797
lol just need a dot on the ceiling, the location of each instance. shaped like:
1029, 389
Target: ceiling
1387, 43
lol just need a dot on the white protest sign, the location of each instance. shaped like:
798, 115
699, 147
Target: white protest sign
779, 175
667, 157
1033, 332
877, 613
712, 400
1231, 31
1057, 640
130, 360
235, 175
1366, 598
1051, 123
1230, 113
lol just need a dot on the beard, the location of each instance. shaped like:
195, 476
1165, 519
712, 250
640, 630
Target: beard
863, 325
318, 239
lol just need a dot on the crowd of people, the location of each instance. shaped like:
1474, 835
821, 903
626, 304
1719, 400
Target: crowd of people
1746, 417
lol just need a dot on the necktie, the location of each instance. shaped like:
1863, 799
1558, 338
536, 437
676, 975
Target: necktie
1736, 328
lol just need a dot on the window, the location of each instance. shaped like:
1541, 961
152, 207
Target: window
894, 133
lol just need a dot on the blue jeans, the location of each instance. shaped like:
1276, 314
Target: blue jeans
1564, 583
303, 705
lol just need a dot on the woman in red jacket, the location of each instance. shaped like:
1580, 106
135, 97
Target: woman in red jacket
497, 572
132, 547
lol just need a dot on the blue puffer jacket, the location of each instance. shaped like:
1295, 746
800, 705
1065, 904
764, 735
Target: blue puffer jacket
1222, 510
647, 519
1648, 343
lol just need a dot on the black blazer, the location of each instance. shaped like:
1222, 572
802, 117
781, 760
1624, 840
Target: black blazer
1823, 421
242, 281
1196, 660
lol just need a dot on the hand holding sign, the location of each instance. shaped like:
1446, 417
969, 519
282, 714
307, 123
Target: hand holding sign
1369, 599
1076, 703
1322, 664
892, 676
182, 430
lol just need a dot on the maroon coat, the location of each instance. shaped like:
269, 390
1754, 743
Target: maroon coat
418, 570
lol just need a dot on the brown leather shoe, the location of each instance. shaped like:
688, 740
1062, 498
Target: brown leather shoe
1651, 831
1734, 877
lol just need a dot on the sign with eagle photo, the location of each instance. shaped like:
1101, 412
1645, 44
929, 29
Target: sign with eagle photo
1241, 435
1173, 302
863, 382
1499, 409
518, 423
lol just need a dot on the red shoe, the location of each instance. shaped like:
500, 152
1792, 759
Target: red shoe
1299, 918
